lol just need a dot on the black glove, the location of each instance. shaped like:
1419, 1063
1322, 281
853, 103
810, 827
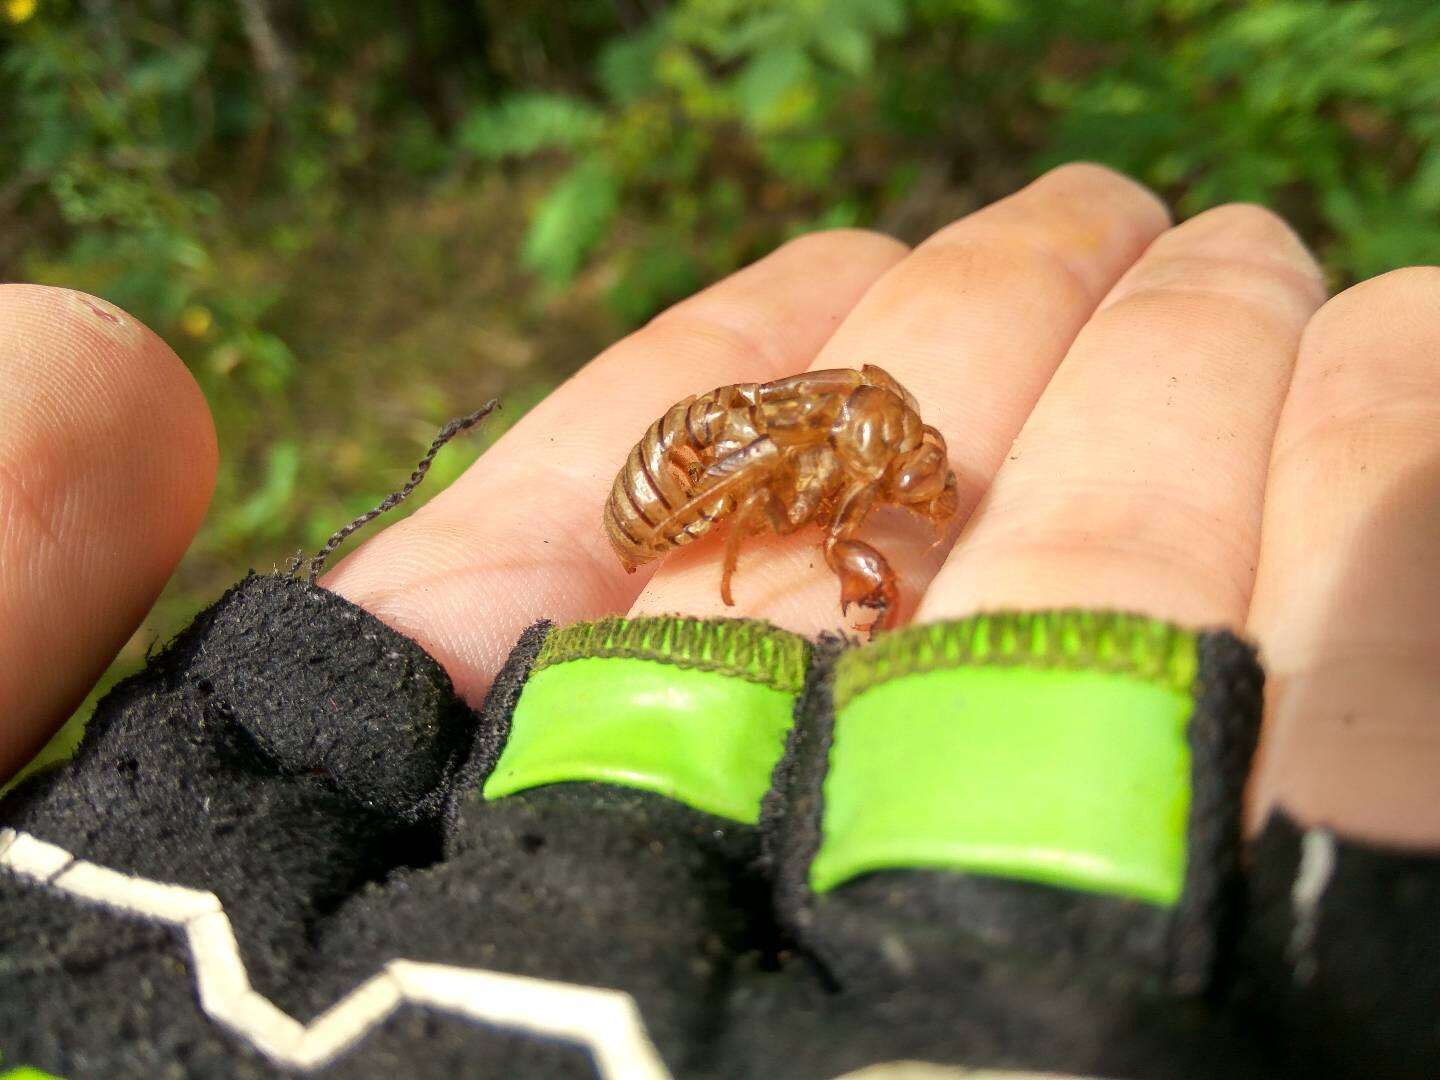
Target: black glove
287, 845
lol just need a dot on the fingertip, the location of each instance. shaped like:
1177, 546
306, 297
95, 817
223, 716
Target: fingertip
1406, 300
1092, 182
843, 246
1080, 221
107, 464
1256, 234
81, 364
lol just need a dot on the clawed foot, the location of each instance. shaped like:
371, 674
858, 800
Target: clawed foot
865, 579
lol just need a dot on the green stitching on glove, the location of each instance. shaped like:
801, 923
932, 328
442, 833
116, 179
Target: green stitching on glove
1116, 642
746, 648
1048, 747
25, 1072
697, 710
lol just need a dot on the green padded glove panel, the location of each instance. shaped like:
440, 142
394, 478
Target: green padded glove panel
1049, 747
696, 710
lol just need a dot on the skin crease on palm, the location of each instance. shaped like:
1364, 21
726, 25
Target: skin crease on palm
1171, 420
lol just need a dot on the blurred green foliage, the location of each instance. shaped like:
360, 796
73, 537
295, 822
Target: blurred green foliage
717, 117
354, 219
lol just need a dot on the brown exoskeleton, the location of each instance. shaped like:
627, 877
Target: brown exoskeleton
824, 447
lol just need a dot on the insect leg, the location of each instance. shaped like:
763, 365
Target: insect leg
874, 375
865, 577
762, 453
808, 383
721, 484
814, 475
756, 504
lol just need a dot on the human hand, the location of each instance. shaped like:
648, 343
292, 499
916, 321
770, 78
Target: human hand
1181, 462
1216, 449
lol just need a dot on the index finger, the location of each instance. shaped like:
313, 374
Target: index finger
519, 536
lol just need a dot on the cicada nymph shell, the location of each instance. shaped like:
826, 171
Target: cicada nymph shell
823, 448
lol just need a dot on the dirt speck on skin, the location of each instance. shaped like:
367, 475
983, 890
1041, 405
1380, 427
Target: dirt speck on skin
108, 316
93, 315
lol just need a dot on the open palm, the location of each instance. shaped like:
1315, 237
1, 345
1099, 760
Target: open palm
1165, 420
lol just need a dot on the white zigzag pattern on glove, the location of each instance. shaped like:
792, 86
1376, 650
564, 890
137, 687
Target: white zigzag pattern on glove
605, 1022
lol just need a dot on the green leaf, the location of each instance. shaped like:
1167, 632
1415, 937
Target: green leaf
848, 48
524, 124
808, 161
572, 218
777, 89
653, 277
886, 16
626, 66
166, 73
264, 513
269, 364
1425, 186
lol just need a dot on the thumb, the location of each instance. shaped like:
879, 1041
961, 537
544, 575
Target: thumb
107, 462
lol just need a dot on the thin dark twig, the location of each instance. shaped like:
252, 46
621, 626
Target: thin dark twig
395, 498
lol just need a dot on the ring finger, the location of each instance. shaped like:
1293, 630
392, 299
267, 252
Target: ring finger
1138, 481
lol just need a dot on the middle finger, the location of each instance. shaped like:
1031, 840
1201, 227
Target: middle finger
973, 323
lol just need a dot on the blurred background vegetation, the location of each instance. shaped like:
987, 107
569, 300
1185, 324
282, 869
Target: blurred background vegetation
355, 219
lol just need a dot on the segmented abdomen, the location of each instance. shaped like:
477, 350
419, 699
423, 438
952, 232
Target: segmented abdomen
653, 505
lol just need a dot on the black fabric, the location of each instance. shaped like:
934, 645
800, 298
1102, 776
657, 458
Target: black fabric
980, 1016
316, 771
311, 767
1354, 988
585, 883
493, 731
253, 758
1223, 731
895, 927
